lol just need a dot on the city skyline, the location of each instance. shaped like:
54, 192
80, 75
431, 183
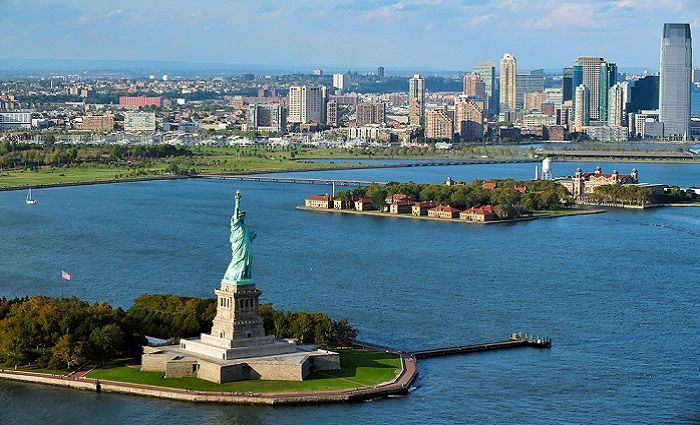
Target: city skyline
419, 34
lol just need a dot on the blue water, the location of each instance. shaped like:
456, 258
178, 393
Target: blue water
617, 292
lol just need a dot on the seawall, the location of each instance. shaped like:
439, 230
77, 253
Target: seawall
399, 385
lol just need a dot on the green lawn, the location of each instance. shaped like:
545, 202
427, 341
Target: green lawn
359, 368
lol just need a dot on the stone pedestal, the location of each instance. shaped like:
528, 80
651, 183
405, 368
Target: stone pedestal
238, 330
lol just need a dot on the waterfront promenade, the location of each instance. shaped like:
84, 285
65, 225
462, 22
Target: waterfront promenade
400, 385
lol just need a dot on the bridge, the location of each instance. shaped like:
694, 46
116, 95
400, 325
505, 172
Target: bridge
307, 180
640, 155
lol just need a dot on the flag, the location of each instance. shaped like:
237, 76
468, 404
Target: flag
65, 275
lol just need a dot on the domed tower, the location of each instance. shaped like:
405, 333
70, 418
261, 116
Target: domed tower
634, 175
598, 170
579, 183
615, 176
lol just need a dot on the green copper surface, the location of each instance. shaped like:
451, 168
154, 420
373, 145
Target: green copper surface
239, 270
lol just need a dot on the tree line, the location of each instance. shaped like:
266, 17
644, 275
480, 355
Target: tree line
22, 155
507, 201
67, 332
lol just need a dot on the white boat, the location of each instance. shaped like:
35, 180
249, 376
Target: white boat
30, 200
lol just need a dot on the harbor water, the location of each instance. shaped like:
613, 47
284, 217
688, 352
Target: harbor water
618, 293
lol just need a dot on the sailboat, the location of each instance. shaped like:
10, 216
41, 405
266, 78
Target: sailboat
30, 200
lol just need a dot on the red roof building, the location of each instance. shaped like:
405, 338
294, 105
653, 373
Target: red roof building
480, 213
319, 201
443, 211
489, 185
421, 208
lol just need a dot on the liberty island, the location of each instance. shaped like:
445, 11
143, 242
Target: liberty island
237, 347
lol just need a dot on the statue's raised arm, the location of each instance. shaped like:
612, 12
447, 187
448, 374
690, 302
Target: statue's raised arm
239, 270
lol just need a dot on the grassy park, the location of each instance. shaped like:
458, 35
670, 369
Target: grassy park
29, 166
360, 368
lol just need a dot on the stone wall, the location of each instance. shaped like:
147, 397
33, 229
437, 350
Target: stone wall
154, 362
186, 368
280, 371
330, 361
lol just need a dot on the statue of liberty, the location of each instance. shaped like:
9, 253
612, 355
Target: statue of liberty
241, 240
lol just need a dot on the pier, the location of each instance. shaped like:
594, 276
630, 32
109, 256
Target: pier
515, 340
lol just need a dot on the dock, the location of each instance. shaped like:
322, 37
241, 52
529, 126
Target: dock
515, 340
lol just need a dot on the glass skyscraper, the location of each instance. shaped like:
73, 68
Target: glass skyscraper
675, 79
606, 79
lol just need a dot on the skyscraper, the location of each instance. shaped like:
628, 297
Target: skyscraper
581, 110
380, 72
644, 94
528, 82
474, 86
567, 90
370, 113
469, 119
617, 102
509, 67
416, 100
438, 124
576, 79
339, 81
607, 77
591, 79
674, 80
306, 104
487, 72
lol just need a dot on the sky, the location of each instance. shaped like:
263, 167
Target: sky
355, 34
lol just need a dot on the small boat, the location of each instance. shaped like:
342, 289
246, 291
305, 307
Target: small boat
30, 200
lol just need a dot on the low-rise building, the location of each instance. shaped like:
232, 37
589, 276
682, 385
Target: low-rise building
98, 123
583, 183
364, 204
12, 120
443, 211
319, 201
489, 185
480, 213
140, 121
343, 204
421, 208
605, 133
400, 207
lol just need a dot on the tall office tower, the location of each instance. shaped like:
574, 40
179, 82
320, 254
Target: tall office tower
370, 113
438, 124
576, 79
509, 67
380, 72
644, 94
607, 77
528, 82
674, 80
469, 119
332, 112
267, 117
591, 79
487, 72
581, 110
617, 103
306, 104
474, 86
339, 81
554, 96
567, 90
416, 100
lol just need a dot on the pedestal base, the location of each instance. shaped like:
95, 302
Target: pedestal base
208, 346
